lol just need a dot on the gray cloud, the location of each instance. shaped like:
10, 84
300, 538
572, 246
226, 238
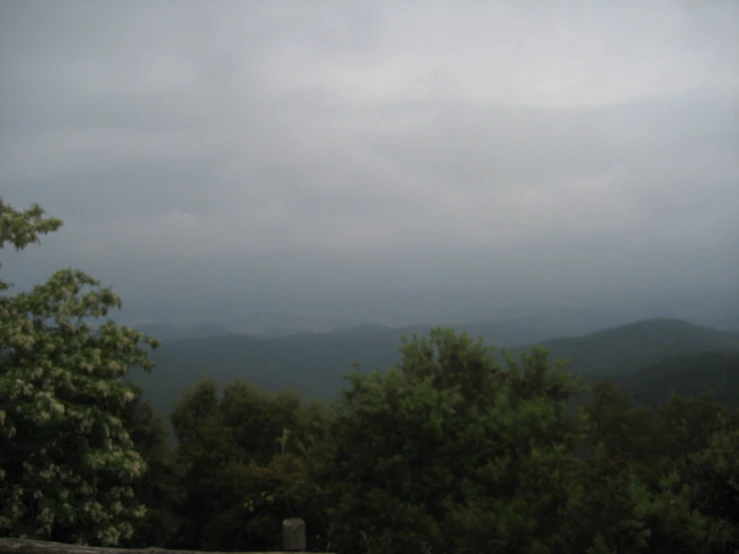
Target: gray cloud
257, 147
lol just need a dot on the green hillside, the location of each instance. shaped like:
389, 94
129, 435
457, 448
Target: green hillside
628, 348
313, 364
310, 363
712, 372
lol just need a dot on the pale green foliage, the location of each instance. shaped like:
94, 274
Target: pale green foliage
66, 461
21, 228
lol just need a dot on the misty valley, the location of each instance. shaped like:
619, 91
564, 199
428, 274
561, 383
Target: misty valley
314, 364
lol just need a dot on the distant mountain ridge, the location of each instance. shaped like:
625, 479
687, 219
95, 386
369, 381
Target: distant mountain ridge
630, 347
173, 331
313, 363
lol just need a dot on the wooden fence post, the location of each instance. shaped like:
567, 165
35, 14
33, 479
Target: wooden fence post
293, 534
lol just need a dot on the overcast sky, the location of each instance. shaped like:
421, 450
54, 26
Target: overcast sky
269, 148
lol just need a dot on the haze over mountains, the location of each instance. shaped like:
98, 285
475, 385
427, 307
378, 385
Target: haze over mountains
313, 363
553, 316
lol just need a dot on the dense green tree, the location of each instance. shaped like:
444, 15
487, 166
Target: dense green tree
676, 459
625, 432
699, 438
67, 462
240, 475
714, 473
449, 452
158, 489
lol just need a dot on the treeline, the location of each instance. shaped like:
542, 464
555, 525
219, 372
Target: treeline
452, 451
448, 452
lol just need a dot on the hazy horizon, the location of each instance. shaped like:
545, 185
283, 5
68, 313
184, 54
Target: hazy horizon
339, 163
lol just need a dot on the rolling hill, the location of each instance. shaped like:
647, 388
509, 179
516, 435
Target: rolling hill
628, 348
313, 364
695, 374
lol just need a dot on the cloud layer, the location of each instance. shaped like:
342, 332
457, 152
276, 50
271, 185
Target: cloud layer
298, 146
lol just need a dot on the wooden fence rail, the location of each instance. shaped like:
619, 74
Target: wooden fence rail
26, 546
